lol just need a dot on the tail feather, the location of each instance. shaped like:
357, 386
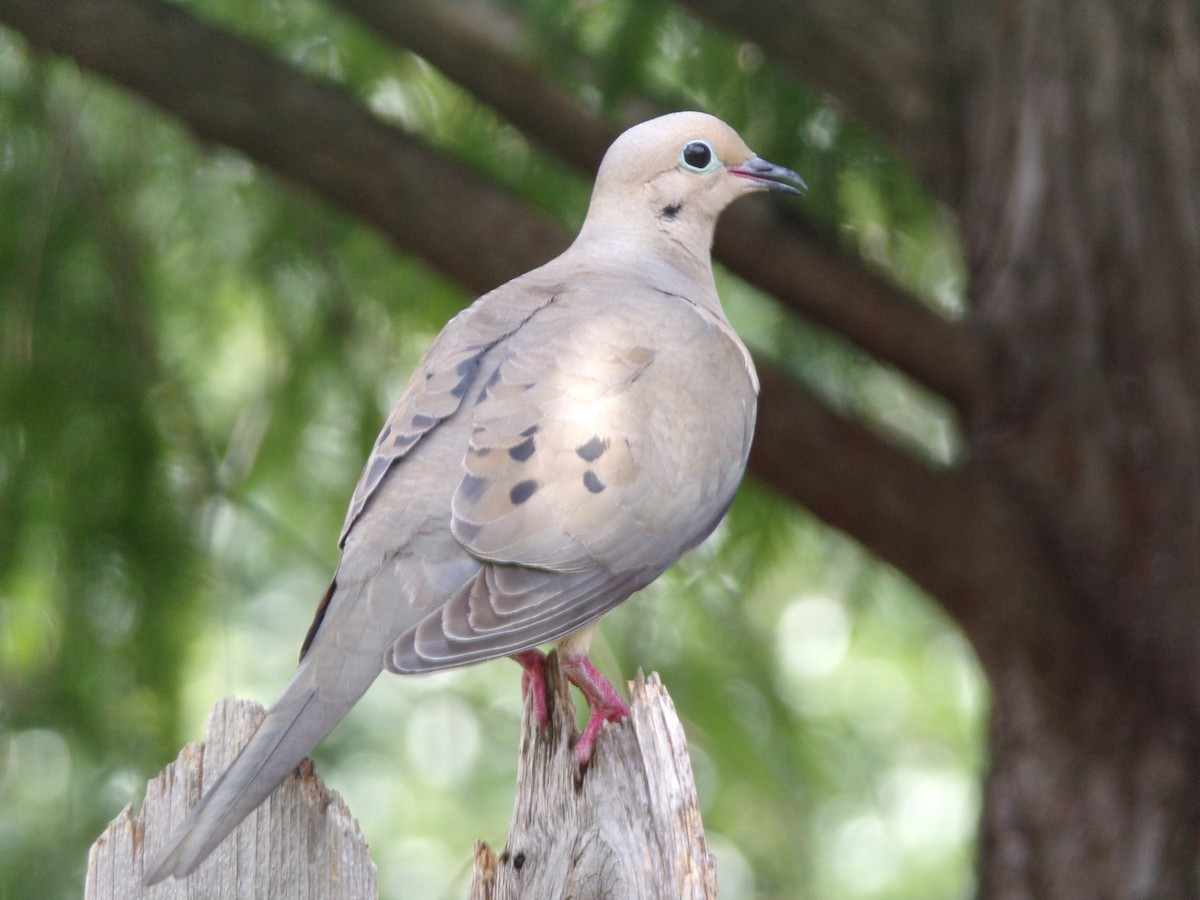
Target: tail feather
329, 681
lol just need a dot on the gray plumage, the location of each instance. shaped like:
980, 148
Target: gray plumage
561, 443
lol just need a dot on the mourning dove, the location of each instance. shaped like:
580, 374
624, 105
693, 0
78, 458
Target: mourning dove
562, 442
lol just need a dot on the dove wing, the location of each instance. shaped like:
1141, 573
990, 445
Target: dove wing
608, 439
443, 378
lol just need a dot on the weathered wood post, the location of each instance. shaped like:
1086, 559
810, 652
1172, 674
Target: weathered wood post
301, 844
629, 827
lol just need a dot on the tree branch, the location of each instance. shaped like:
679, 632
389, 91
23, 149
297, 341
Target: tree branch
477, 45
229, 91
926, 522
949, 530
879, 59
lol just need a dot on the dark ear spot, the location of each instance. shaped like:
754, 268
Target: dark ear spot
670, 212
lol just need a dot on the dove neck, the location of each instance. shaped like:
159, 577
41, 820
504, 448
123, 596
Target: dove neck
674, 255
667, 269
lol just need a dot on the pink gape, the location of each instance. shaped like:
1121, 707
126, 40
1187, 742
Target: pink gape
602, 698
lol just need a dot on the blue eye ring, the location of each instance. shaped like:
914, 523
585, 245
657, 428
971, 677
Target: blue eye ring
698, 156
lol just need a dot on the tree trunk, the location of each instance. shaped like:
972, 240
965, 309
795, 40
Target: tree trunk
1081, 212
1094, 789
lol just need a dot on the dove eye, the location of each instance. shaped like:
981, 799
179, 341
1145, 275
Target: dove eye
697, 156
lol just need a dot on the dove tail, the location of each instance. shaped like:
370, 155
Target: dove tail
310, 707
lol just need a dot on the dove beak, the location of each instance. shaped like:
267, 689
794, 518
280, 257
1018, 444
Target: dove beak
767, 175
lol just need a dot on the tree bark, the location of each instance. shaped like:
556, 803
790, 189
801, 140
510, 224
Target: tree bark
1081, 211
1083, 224
1094, 787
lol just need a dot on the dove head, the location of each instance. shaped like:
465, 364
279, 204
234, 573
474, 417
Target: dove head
668, 179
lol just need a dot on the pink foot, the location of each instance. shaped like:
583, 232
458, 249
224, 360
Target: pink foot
602, 698
533, 677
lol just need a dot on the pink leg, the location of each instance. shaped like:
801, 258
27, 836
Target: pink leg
602, 698
533, 677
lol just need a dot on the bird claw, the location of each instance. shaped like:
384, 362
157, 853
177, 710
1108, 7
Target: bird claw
587, 741
602, 698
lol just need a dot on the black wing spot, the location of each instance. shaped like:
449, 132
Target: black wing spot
523, 450
592, 450
592, 482
528, 432
422, 421
522, 491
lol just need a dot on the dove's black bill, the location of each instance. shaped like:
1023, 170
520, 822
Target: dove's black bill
770, 176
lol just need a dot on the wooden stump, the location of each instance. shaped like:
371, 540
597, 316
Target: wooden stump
629, 827
301, 844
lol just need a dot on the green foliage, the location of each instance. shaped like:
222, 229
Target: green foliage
194, 362
98, 565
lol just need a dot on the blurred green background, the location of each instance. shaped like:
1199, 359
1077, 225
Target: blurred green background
194, 360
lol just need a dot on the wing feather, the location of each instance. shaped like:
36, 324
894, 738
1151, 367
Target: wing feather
445, 374
561, 605
435, 391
